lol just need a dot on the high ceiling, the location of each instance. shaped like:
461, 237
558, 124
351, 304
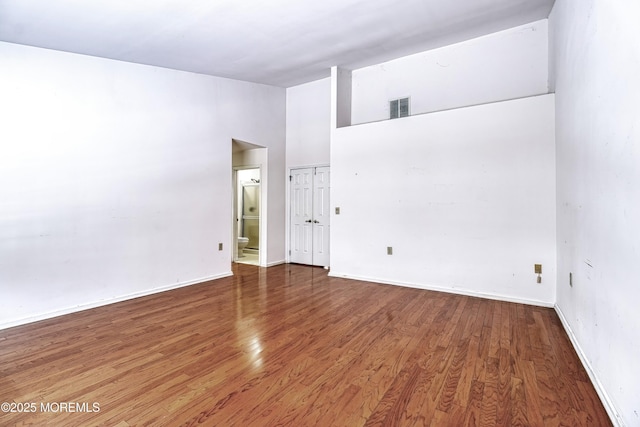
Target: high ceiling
276, 42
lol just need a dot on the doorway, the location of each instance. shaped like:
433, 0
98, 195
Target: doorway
248, 190
309, 216
248, 156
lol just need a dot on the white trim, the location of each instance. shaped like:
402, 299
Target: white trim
271, 264
457, 291
615, 417
101, 303
262, 220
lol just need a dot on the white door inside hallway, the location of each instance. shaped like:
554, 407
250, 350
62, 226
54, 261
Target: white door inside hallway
309, 230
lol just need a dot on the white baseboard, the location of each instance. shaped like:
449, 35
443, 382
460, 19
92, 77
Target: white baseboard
271, 264
456, 291
604, 397
95, 304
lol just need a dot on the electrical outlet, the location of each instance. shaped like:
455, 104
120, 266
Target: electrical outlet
537, 268
219, 246
389, 250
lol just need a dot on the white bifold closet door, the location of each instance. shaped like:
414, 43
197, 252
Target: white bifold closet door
309, 206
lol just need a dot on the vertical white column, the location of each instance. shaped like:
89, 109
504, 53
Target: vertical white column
340, 97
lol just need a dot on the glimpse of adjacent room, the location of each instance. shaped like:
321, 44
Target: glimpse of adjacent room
248, 215
249, 200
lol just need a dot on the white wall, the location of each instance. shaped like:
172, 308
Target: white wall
341, 91
465, 197
597, 60
504, 65
308, 123
115, 178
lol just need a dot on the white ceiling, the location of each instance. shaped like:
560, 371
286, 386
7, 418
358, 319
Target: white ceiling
277, 42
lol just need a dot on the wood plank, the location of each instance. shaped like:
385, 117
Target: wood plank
289, 345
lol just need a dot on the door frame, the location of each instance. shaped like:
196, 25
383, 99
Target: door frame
288, 206
234, 216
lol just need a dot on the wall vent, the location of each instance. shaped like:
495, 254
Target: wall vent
399, 108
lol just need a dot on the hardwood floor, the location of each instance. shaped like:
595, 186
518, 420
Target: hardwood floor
290, 346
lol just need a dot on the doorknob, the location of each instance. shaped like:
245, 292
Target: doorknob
315, 221
308, 220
